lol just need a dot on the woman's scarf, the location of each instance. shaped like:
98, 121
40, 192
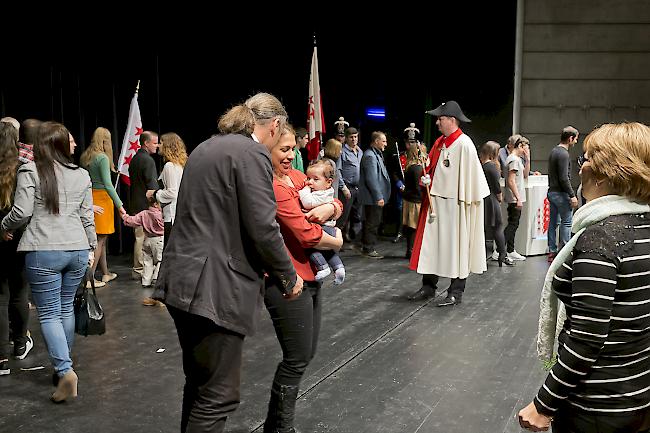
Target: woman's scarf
552, 313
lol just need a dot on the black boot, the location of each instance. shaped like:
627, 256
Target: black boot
503, 258
282, 408
408, 233
489, 248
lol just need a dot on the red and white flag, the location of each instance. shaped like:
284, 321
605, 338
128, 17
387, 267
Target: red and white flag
315, 120
131, 142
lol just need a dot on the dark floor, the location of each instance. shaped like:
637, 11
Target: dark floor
384, 364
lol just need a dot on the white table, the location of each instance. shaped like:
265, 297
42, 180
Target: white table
531, 236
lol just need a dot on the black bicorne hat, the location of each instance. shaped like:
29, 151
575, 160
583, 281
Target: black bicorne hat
451, 109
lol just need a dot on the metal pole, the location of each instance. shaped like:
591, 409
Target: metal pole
399, 161
519, 53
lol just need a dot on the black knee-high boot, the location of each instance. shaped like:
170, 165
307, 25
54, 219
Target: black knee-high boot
409, 233
282, 408
489, 247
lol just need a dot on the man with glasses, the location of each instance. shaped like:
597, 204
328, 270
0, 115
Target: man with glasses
560, 195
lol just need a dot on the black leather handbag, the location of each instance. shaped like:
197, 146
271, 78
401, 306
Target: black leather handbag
88, 312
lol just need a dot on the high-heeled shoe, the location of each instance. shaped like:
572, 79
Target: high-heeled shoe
503, 258
67, 388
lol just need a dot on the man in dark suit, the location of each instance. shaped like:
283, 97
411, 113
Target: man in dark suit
374, 191
143, 176
225, 238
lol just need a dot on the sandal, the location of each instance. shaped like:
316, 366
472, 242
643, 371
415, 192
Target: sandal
109, 277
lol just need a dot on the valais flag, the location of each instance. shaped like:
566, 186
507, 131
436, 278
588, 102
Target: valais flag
131, 142
315, 121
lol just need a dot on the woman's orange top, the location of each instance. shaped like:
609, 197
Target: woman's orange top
298, 233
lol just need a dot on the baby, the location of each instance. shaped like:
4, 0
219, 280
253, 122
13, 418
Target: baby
319, 191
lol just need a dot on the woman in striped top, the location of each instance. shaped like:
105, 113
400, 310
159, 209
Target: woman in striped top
601, 381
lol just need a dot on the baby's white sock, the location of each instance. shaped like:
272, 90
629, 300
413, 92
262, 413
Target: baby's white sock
339, 276
322, 274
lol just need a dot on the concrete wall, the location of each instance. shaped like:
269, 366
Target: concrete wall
584, 63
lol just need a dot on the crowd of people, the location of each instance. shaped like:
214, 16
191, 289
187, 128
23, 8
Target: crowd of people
251, 222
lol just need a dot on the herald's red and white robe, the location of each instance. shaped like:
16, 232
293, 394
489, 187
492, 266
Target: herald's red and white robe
453, 245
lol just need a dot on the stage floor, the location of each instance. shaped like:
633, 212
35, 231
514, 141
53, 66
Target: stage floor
383, 364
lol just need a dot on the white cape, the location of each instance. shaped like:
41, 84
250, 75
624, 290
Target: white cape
453, 245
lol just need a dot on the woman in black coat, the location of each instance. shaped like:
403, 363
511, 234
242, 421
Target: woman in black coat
489, 155
412, 193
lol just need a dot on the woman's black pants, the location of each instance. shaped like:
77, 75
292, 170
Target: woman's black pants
571, 420
297, 325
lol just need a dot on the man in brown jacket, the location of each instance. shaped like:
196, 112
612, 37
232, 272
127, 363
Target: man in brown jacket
224, 239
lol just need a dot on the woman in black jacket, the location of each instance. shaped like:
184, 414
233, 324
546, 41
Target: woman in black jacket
13, 290
412, 193
489, 155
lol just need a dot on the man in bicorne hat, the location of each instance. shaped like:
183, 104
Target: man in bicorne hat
449, 241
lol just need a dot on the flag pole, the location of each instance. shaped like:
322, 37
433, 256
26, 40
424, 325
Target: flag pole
320, 136
315, 121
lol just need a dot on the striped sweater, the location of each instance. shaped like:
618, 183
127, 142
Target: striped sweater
604, 348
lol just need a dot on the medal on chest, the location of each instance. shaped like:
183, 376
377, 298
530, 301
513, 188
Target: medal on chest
445, 156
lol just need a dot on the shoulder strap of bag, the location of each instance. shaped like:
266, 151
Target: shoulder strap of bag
90, 277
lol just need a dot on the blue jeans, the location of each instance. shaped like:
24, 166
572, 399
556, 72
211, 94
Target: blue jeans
54, 277
560, 204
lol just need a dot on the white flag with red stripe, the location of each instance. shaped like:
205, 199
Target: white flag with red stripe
131, 142
315, 120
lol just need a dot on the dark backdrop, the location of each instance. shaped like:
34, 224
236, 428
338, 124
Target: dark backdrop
194, 68
191, 71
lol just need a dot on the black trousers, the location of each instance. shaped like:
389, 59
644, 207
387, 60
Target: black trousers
212, 358
372, 219
297, 326
168, 231
456, 288
513, 224
14, 311
573, 420
352, 215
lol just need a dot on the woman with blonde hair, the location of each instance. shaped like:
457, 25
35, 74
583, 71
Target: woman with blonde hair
173, 150
98, 160
296, 319
600, 381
